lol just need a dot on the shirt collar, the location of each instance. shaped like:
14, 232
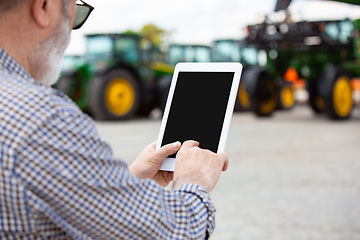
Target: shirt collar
8, 63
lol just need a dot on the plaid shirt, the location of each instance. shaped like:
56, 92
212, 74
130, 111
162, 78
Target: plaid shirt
59, 180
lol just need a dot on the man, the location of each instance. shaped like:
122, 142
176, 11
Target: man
58, 179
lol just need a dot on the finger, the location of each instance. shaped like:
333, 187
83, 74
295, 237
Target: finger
224, 157
167, 150
168, 175
190, 144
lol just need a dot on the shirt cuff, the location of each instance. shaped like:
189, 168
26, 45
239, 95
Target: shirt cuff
203, 195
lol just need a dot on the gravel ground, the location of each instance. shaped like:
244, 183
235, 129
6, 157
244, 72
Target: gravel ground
293, 176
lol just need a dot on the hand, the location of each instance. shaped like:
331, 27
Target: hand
198, 166
147, 164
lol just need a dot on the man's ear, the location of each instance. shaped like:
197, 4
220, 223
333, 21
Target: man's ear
40, 12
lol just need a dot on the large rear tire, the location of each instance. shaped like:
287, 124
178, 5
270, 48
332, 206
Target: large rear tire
262, 91
337, 93
114, 96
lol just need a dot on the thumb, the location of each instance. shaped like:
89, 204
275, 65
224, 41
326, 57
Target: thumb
167, 150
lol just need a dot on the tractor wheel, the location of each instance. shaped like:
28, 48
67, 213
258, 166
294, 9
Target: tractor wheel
114, 96
242, 101
262, 91
286, 97
338, 94
316, 101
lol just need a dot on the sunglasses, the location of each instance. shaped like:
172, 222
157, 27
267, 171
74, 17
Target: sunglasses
82, 13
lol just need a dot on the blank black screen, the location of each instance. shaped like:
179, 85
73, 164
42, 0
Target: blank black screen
198, 108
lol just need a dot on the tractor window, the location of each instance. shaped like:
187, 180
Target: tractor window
146, 51
249, 56
226, 51
346, 31
99, 47
341, 31
189, 54
175, 54
333, 31
202, 54
71, 62
126, 50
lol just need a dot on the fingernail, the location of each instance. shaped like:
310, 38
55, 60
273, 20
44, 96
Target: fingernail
176, 145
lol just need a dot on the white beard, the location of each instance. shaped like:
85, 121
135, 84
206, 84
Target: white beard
49, 54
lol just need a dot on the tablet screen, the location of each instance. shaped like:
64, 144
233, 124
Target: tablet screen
198, 108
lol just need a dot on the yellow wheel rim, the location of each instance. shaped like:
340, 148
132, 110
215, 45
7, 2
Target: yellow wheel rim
268, 106
243, 96
119, 96
342, 96
287, 96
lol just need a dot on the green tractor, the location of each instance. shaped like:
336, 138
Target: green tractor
232, 50
120, 78
324, 53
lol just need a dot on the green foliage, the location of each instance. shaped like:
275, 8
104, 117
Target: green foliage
154, 34
131, 32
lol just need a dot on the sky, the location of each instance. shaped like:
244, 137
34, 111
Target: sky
197, 21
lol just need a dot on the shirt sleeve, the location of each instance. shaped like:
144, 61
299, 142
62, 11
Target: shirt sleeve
73, 181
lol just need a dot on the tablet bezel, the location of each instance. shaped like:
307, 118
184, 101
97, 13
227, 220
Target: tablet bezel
169, 163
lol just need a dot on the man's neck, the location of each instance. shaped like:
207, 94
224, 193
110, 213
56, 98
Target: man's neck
16, 40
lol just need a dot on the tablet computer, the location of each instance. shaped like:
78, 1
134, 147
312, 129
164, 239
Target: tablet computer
199, 106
